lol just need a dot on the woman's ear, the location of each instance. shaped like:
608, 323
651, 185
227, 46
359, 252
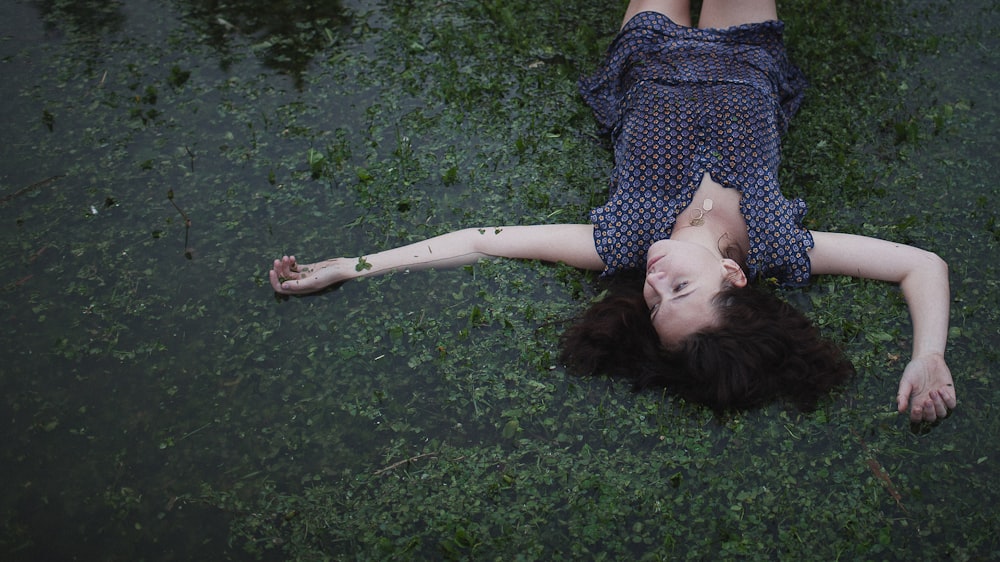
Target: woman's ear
734, 273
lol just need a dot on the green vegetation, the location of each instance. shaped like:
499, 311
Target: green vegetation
159, 402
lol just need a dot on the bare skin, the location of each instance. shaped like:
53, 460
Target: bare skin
684, 272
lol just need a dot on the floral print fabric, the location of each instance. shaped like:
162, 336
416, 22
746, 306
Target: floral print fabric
680, 102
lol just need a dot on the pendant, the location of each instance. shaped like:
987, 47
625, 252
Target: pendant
705, 208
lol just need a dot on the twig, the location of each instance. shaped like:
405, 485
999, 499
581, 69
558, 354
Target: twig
188, 251
18, 283
31, 187
190, 433
880, 473
402, 462
170, 196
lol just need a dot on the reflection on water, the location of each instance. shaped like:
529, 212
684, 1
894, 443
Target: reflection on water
84, 22
286, 34
81, 17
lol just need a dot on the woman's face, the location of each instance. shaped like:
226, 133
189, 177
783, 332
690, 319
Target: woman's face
682, 279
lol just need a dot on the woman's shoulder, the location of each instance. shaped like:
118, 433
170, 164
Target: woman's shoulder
779, 242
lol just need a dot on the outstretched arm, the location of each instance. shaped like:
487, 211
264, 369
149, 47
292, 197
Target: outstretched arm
572, 244
926, 387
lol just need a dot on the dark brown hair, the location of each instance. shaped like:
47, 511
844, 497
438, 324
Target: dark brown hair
761, 350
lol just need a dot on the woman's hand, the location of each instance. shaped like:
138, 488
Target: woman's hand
289, 277
927, 388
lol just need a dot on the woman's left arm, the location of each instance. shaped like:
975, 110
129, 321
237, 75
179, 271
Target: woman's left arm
926, 387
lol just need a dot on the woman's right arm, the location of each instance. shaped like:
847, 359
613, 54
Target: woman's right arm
572, 244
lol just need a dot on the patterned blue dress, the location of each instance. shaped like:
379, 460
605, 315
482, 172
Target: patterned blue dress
680, 102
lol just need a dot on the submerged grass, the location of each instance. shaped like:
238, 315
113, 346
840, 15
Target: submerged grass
161, 402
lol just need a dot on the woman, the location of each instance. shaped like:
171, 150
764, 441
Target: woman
696, 116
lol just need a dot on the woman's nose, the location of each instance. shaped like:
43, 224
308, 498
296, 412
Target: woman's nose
656, 280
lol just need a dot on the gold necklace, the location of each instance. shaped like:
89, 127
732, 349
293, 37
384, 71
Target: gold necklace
702, 211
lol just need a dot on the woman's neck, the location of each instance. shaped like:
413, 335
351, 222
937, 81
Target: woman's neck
708, 235
714, 220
